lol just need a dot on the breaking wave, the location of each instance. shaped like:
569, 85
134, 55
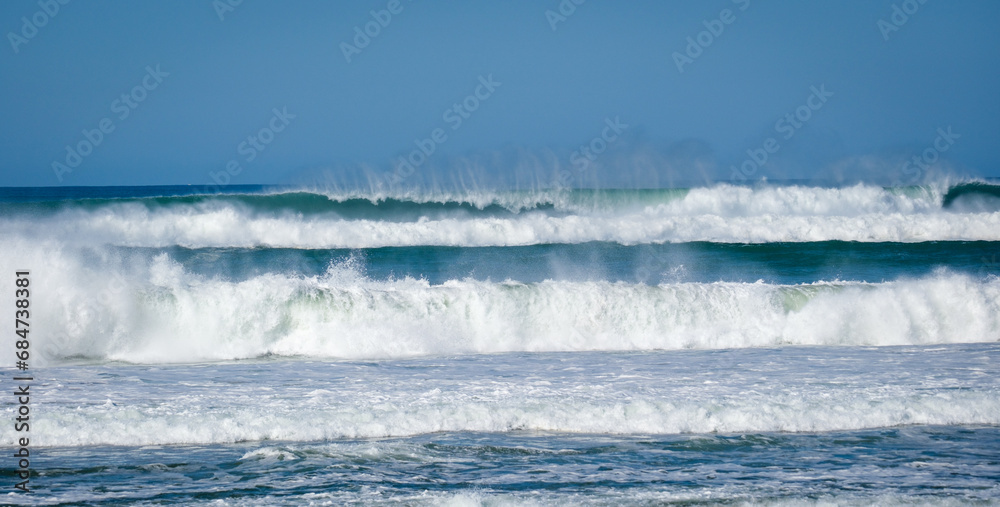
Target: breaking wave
160, 313
722, 213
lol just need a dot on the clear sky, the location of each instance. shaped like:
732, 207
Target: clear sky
515, 87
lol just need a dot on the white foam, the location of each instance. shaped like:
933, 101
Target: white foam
217, 412
156, 312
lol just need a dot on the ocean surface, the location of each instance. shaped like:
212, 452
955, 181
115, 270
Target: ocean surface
779, 344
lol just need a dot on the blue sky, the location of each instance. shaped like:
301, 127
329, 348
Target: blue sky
182, 85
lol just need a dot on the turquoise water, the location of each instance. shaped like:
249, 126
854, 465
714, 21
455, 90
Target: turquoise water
781, 344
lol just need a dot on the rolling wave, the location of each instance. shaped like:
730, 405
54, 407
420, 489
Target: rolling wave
978, 196
162, 313
721, 198
723, 213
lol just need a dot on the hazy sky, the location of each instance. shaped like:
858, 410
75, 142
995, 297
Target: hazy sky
288, 90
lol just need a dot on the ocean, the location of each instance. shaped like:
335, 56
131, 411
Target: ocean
775, 344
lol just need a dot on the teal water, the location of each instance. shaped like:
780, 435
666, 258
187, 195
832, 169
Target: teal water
782, 263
